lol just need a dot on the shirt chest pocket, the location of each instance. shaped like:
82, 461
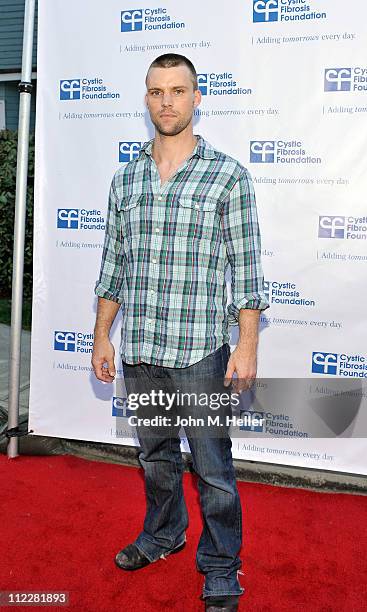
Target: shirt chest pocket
131, 209
197, 217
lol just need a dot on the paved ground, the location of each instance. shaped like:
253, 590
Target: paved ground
246, 470
24, 371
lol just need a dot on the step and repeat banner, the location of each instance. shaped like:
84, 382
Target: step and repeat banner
284, 86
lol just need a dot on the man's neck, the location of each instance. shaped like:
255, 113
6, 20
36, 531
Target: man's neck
172, 150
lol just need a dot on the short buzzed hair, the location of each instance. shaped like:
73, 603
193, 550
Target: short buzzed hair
171, 60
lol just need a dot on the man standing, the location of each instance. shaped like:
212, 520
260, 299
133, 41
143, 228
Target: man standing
178, 215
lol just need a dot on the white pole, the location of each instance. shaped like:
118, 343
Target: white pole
25, 88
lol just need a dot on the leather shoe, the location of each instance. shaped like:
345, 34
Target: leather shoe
221, 604
130, 558
214, 608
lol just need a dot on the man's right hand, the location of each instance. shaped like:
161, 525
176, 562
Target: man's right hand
104, 353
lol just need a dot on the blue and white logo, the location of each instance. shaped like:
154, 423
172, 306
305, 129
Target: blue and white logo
348, 228
280, 152
253, 421
267, 289
351, 365
345, 79
86, 89
220, 84
269, 423
331, 226
129, 150
132, 21
137, 20
68, 218
203, 83
338, 79
65, 341
265, 10
70, 89
262, 151
73, 342
120, 408
75, 218
324, 363
285, 292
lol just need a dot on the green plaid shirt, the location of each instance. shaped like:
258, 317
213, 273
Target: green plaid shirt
166, 252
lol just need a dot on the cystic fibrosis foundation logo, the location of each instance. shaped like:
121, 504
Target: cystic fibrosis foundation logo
220, 84
86, 89
262, 151
280, 152
120, 408
285, 293
145, 19
266, 11
80, 218
343, 364
270, 423
345, 228
129, 150
324, 363
251, 420
345, 79
73, 342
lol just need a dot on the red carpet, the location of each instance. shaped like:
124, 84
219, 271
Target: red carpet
63, 520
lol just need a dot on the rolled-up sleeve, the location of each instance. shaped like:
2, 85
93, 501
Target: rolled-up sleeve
109, 284
241, 234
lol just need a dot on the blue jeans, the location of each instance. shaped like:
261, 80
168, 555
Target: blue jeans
160, 456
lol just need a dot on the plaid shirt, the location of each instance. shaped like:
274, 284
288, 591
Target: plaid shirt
166, 252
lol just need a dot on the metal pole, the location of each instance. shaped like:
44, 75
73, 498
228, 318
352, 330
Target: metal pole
25, 88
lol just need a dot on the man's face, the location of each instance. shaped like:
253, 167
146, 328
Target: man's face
171, 99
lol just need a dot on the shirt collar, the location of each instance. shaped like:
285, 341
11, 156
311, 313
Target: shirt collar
203, 149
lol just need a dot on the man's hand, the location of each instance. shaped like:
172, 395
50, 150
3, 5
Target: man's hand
103, 349
243, 359
104, 352
244, 363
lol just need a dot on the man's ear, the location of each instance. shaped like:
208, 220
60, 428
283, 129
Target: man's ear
197, 97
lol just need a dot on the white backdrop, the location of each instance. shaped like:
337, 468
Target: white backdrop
284, 87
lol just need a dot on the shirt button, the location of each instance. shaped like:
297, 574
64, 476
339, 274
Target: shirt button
154, 260
160, 198
149, 320
152, 291
157, 229
197, 206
